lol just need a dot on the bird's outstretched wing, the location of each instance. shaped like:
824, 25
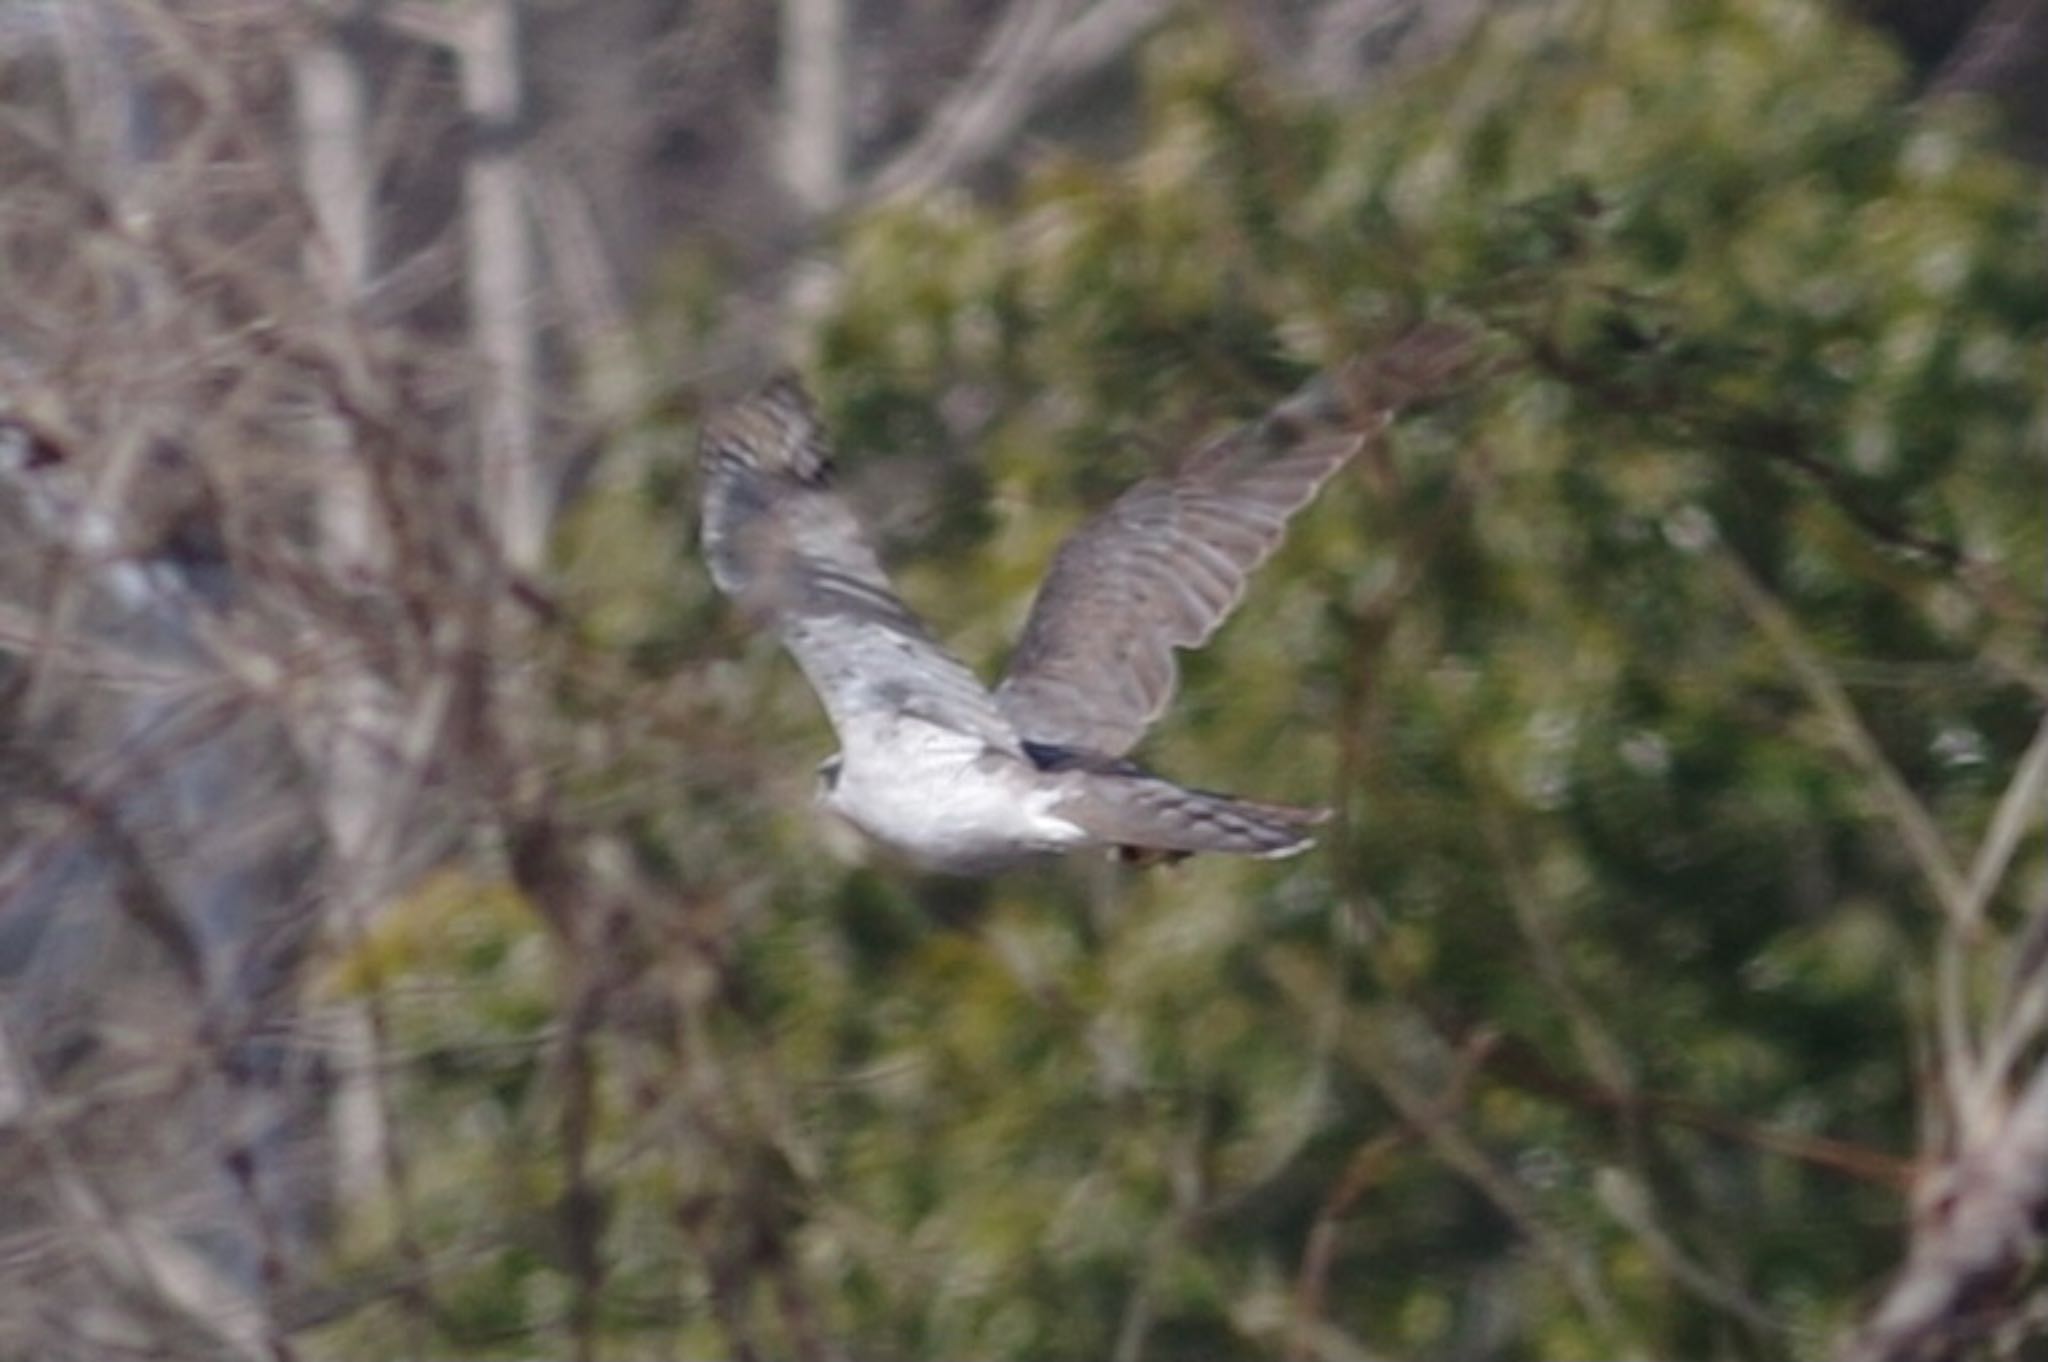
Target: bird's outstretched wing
1161, 569
783, 544
1166, 563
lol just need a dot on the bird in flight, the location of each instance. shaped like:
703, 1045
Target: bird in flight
934, 765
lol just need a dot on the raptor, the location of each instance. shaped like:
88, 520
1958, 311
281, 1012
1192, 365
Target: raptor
962, 779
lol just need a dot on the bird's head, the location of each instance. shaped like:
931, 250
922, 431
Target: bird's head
828, 779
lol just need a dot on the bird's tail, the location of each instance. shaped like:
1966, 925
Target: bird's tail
1149, 820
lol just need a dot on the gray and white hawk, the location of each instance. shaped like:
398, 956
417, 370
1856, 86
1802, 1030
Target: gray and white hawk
961, 779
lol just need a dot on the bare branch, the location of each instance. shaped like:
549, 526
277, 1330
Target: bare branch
1922, 839
423, 21
1037, 47
2021, 803
1978, 1226
2005, 45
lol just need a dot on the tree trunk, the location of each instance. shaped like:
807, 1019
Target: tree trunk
814, 141
501, 280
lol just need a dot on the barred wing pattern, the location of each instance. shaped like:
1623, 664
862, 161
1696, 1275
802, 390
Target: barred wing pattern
1161, 569
784, 545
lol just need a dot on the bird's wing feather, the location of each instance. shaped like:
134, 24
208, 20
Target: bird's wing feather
784, 545
1143, 813
1161, 569
1164, 566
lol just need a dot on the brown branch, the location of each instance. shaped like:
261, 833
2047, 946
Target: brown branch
581, 1210
1520, 1065
1369, 1163
1783, 442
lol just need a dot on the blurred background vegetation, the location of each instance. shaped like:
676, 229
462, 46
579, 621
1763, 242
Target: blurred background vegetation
1589, 1031
1662, 676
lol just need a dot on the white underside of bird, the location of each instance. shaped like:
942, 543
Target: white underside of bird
947, 800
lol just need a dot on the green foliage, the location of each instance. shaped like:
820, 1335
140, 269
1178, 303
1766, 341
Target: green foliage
1741, 305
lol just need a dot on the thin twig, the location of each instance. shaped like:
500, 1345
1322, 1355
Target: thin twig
1922, 839
1034, 49
1923, 842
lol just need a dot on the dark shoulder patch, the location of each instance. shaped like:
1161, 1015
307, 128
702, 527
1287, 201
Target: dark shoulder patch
1048, 756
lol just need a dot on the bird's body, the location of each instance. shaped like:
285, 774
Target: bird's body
964, 780
948, 801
